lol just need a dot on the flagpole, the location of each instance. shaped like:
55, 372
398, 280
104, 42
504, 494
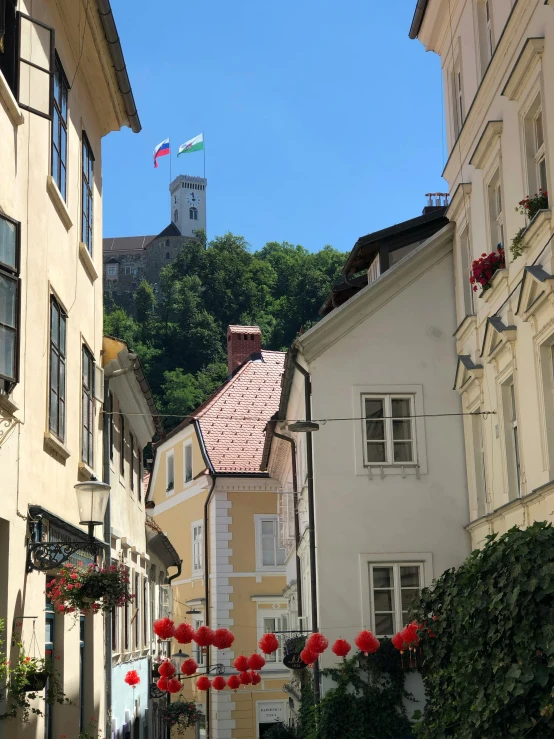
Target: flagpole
204, 150
169, 162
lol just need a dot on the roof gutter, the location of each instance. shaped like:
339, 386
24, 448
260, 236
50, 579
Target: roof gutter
116, 53
417, 20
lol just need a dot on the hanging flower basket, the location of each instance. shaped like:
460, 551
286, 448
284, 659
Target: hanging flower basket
90, 589
35, 682
179, 715
294, 645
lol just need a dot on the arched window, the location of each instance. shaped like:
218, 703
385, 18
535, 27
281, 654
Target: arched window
167, 255
193, 214
167, 242
175, 215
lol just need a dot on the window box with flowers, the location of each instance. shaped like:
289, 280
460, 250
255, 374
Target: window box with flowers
179, 715
484, 269
530, 207
90, 589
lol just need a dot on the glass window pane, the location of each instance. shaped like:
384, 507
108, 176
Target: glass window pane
268, 558
539, 135
267, 528
375, 430
7, 352
401, 430
409, 577
62, 180
401, 407
61, 387
53, 412
8, 235
375, 452
281, 554
61, 432
7, 301
268, 543
62, 335
408, 596
542, 175
54, 324
53, 370
382, 577
64, 103
383, 600
403, 451
384, 624
269, 625
374, 407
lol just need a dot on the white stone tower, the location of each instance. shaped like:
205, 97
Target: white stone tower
188, 203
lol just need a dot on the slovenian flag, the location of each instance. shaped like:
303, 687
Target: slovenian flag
160, 151
195, 144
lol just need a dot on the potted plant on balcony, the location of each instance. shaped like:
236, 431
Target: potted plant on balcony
529, 207
484, 268
179, 715
90, 589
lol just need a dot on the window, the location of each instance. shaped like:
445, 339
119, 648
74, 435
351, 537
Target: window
111, 429
132, 471
50, 616
56, 419
112, 270
496, 211
8, 43
484, 25
389, 431
36, 66
392, 589
88, 184
87, 409
273, 624
169, 472
479, 462
188, 462
269, 553
535, 149
127, 270
145, 611
167, 255
511, 435
127, 621
9, 301
136, 615
193, 214
201, 725
139, 473
457, 96
197, 544
198, 652
122, 445
175, 215
59, 128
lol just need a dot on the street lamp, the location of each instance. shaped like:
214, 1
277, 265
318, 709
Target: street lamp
178, 660
92, 499
303, 426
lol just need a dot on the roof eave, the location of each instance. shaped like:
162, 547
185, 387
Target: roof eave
417, 20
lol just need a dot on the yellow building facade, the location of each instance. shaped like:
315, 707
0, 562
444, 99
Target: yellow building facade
206, 478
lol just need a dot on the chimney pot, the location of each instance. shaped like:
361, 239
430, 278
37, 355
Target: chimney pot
242, 342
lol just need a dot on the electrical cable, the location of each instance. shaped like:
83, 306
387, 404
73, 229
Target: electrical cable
234, 417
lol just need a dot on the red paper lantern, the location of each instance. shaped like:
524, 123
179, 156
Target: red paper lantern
410, 634
398, 641
269, 643
341, 648
256, 661
189, 667
308, 657
317, 643
255, 677
166, 669
164, 628
241, 663
174, 685
162, 683
219, 683
223, 638
203, 636
132, 678
203, 683
245, 678
367, 642
184, 633
233, 682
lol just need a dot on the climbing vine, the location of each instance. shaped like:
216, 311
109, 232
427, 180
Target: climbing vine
488, 641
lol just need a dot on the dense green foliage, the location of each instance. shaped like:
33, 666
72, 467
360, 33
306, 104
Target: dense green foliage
179, 330
488, 657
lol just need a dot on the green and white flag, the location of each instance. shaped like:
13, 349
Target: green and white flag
195, 144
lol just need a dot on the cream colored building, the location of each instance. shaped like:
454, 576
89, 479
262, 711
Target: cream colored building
498, 72
60, 95
206, 477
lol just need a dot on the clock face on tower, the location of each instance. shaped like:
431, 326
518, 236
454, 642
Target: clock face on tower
193, 198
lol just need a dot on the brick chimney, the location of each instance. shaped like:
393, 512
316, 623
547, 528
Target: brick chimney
242, 342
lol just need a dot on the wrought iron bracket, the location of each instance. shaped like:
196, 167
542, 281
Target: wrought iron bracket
48, 555
155, 692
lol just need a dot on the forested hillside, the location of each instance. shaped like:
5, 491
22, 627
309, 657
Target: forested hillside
179, 330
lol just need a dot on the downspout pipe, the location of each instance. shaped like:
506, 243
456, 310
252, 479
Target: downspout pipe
296, 520
207, 590
106, 441
311, 517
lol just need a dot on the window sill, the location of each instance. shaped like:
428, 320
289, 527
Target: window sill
58, 447
58, 202
12, 108
497, 284
84, 471
271, 568
86, 261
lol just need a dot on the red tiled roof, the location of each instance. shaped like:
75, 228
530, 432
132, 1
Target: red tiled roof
234, 418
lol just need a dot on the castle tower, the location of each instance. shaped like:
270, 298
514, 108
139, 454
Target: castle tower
188, 203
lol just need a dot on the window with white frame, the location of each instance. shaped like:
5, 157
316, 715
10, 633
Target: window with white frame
392, 588
112, 270
272, 622
457, 95
169, 472
511, 437
198, 652
479, 463
466, 260
535, 149
389, 430
269, 553
187, 462
197, 544
485, 30
496, 210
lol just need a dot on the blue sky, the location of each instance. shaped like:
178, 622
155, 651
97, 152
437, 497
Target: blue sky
323, 120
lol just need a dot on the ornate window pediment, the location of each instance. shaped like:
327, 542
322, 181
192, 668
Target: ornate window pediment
497, 334
466, 373
536, 286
